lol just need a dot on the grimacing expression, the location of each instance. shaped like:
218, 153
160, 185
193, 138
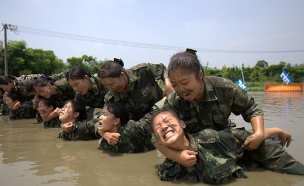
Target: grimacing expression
107, 121
80, 85
185, 84
9, 102
66, 114
167, 128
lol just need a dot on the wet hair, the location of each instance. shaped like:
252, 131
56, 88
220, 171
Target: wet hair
49, 102
156, 113
119, 110
43, 81
76, 72
186, 61
4, 80
2, 91
111, 68
14, 96
79, 107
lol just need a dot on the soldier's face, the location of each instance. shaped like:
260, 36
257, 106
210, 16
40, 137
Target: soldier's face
187, 85
43, 91
117, 84
107, 121
67, 114
44, 110
80, 85
9, 102
168, 129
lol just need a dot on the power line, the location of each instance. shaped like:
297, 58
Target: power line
136, 44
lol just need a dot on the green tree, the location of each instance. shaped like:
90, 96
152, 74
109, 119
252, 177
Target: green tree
262, 63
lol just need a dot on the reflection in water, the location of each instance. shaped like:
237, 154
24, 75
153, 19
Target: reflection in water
32, 155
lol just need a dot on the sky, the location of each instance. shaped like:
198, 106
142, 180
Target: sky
228, 32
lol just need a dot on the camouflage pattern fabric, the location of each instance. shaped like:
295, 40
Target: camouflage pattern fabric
24, 112
93, 98
133, 139
65, 91
223, 97
82, 130
144, 89
20, 85
61, 75
270, 154
4, 109
53, 123
215, 159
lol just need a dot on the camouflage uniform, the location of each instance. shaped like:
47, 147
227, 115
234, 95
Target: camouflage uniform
24, 112
144, 91
132, 139
82, 130
215, 159
93, 98
221, 98
65, 91
53, 123
20, 85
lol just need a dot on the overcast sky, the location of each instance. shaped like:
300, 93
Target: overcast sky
152, 31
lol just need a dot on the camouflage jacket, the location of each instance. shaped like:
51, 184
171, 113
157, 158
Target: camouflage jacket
65, 91
94, 98
20, 85
133, 139
221, 98
24, 112
82, 130
216, 159
144, 90
53, 123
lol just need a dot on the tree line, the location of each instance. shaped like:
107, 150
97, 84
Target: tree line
25, 60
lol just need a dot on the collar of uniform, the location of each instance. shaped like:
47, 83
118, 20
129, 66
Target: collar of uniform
193, 144
94, 86
209, 94
132, 78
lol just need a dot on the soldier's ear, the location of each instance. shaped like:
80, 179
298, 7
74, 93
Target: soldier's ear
76, 114
182, 123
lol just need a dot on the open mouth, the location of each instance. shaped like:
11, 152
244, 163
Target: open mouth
168, 134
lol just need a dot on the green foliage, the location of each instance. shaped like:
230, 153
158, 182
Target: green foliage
25, 72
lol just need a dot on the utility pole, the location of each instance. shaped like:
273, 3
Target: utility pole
11, 28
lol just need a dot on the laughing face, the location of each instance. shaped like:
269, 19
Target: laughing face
187, 85
168, 129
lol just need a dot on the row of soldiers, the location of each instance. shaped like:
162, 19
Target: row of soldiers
187, 120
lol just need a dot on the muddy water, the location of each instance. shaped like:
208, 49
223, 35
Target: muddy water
31, 155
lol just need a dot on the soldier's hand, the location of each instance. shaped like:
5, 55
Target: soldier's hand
253, 141
188, 158
285, 138
67, 127
112, 138
16, 106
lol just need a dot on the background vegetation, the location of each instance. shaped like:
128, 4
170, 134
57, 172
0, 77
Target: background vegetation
25, 60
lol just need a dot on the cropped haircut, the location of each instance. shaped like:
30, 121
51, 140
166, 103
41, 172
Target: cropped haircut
111, 69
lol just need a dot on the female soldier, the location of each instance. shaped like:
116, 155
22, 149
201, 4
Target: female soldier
135, 87
132, 138
207, 102
18, 109
60, 90
47, 107
89, 89
73, 118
